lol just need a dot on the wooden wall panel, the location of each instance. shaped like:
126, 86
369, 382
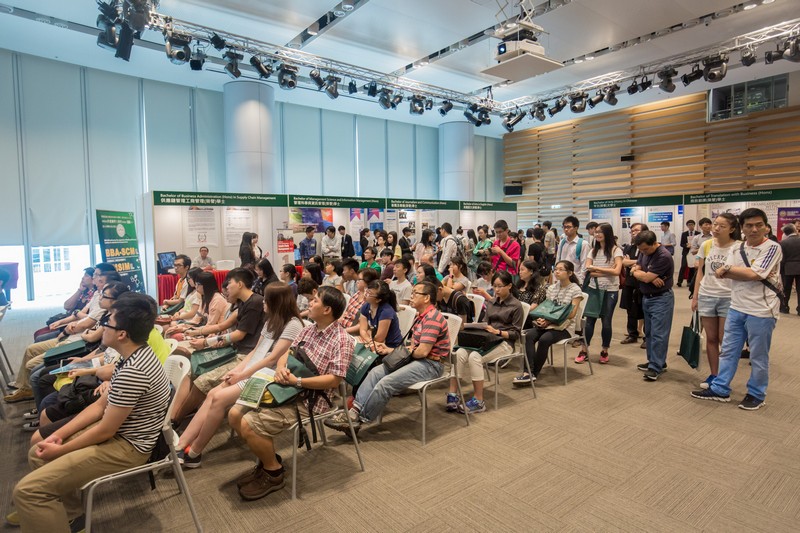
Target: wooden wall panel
676, 152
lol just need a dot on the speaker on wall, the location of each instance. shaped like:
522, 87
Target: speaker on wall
627, 157
512, 190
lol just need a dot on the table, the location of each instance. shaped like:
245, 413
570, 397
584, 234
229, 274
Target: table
168, 282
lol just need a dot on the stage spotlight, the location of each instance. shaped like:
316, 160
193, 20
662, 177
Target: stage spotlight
769, 57
124, 42
287, 76
352, 88
483, 115
539, 113
428, 104
611, 95
416, 105
445, 108
198, 60
177, 47
469, 113
596, 99
316, 77
385, 100
645, 84
715, 68
332, 87
666, 75
512, 119
107, 38
264, 71
792, 51
748, 57
372, 89
218, 42
560, 104
396, 100
577, 102
232, 65
633, 88
693, 76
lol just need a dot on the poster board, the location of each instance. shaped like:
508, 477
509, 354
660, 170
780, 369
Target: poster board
119, 246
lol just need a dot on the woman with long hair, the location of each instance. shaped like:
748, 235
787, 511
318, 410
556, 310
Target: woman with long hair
392, 244
603, 266
712, 295
313, 271
544, 334
379, 327
424, 246
532, 288
265, 275
425, 271
247, 258
457, 279
211, 308
282, 326
192, 302
288, 275
364, 240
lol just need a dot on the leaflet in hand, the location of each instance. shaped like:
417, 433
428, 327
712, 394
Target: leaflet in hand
254, 389
476, 325
75, 366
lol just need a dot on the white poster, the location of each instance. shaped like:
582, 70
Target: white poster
201, 227
237, 221
468, 220
390, 222
427, 219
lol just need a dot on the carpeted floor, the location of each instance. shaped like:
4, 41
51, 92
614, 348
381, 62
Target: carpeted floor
607, 452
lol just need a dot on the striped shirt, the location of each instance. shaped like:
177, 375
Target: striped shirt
331, 351
431, 328
139, 382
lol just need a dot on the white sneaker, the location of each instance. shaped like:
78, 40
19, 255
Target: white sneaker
33, 414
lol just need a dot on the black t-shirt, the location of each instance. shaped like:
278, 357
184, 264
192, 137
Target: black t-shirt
250, 320
458, 304
659, 262
536, 250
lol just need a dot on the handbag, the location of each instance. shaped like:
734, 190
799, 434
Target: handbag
363, 359
690, 342
206, 360
594, 304
478, 340
65, 350
552, 312
399, 358
76, 396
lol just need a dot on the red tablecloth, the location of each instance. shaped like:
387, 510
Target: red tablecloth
167, 283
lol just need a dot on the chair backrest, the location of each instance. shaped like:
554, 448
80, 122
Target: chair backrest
526, 308
406, 315
176, 368
172, 345
159, 328
477, 301
225, 264
453, 327
578, 323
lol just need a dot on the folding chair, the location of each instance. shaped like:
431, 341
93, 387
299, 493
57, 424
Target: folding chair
176, 368
172, 345
159, 329
2, 349
453, 327
406, 315
579, 319
318, 419
477, 302
526, 308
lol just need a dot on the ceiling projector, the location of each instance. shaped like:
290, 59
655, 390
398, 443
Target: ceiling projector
519, 55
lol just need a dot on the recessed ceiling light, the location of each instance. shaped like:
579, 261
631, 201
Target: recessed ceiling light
313, 29
589, 57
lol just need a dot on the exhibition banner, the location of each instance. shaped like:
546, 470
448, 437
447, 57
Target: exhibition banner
236, 220
753, 195
331, 201
487, 206
219, 199
786, 215
201, 226
401, 203
636, 202
120, 247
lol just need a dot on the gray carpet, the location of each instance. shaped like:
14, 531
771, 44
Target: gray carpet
607, 452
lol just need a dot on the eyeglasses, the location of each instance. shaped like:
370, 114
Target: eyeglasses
559, 270
178, 265
500, 286
415, 293
104, 322
104, 297
567, 226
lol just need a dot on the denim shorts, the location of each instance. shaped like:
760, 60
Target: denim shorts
712, 306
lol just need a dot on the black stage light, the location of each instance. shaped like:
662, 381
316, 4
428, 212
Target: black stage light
332, 87
715, 68
107, 38
470, 115
416, 105
666, 75
596, 99
198, 60
385, 100
218, 42
577, 102
372, 89
645, 84
264, 71
445, 108
232, 65
177, 47
611, 95
124, 42
539, 113
396, 100
748, 57
316, 77
352, 88
483, 115
792, 51
694, 75
428, 104
560, 104
633, 88
287, 76
512, 119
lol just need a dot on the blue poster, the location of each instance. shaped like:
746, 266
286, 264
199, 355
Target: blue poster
630, 212
660, 216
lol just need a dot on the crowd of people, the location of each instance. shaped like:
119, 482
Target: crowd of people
268, 319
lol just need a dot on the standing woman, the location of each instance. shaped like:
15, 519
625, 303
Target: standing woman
503, 315
364, 240
380, 242
424, 246
604, 264
481, 252
712, 295
247, 257
258, 253
379, 326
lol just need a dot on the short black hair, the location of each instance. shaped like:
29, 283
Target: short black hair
104, 267
336, 264
88, 271
111, 276
309, 229
690, 221
406, 230
642, 226
187, 261
204, 248
501, 225
665, 223
342, 228
591, 224
752, 212
369, 274
547, 224
135, 313
571, 220
429, 289
447, 227
705, 220
333, 298
115, 289
645, 237
330, 229
242, 275
306, 286
350, 263
386, 251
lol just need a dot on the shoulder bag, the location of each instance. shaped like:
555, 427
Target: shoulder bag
552, 312
770, 286
594, 304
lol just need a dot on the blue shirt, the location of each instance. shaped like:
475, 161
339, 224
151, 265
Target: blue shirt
308, 248
385, 312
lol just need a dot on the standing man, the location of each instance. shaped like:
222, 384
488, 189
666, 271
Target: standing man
790, 267
753, 268
573, 248
448, 246
505, 250
687, 271
591, 227
405, 241
549, 245
631, 299
348, 250
668, 238
308, 246
331, 244
654, 270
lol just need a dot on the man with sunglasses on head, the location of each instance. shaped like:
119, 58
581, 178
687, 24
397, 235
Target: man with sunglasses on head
115, 433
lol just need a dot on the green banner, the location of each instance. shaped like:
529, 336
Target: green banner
333, 201
219, 198
488, 206
402, 203
751, 195
120, 247
648, 201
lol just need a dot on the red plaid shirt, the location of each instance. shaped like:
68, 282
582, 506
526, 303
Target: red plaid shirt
331, 350
352, 311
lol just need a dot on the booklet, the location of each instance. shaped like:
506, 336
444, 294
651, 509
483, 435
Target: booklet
75, 366
255, 388
476, 325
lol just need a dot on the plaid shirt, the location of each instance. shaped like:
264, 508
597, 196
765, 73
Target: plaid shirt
331, 350
350, 314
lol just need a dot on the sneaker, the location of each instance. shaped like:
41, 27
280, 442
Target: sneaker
189, 462
339, 422
603, 357
13, 385
708, 394
261, 485
452, 402
707, 383
523, 379
651, 375
751, 403
12, 519
629, 340
33, 414
251, 474
474, 406
19, 395
582, 357
644, 366
33, 425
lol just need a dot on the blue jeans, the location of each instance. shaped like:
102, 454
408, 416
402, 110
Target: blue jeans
378, 387
657, 324
609, 304
758, 334
36, 373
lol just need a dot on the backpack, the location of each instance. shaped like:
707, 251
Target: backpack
460, 250
578, 248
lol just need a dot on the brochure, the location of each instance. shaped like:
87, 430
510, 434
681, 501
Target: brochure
255, 388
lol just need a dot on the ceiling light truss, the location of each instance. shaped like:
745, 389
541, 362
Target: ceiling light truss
324, 23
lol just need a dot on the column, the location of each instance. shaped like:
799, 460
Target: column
456, 161
249, 152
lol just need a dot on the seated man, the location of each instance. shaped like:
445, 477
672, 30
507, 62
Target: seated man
350, 319
369, 254
330, 348
204, 261
115, 433
182, 265
386, 260
430, 344
72, 305
350, 276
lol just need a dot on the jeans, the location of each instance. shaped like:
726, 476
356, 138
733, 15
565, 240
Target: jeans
378, 387
740, 327
658, 323
537, 346
609, 304
36, 373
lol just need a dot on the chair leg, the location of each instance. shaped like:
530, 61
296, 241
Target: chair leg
8, 363
496, 384
184, 488
424, 404
591, 371
321, 431
87, 508
461, 397
295, 441
565, 364
355, 443
526, 367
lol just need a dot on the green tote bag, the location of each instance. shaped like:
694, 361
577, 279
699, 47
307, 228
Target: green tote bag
690, 342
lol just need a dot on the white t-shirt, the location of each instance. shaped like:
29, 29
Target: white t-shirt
402, 289
714, 257
608, 282
562, 296
753, 297
463, 280
264, 347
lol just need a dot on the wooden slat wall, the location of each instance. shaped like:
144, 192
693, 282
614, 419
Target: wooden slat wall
676, 152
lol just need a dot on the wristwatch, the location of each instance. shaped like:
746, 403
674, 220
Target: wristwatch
299, 383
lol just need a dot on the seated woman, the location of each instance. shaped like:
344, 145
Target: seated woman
265, 275
351, 318
288, 275
212, 306
379, 327
333, 274
192, 303
532, 288
306, 288
282, 326
483, 278
503, 317
457, 280
538, 340
424, 271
